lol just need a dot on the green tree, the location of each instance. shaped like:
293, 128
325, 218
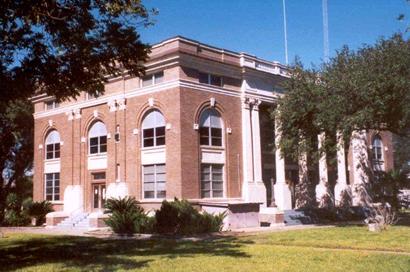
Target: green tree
367, 89
60, 48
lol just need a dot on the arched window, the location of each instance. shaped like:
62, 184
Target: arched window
53, 145
377, 148
97, 137
153, 129
210, 128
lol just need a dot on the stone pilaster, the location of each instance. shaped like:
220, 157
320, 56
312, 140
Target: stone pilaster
341, 184
283, 198
323, 185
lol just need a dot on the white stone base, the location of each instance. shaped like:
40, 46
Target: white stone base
283, 197
339, 188
117, 190
256, 192
321, 190
73, 198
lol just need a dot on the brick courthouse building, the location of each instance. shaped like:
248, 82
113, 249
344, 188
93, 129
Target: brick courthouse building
195, 127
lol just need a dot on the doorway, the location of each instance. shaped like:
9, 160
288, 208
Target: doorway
98, 196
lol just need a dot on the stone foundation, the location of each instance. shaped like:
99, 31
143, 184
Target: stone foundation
54, 218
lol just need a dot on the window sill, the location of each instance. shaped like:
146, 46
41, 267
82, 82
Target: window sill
57, 202
52, 160
212, 147
101, 155
152, 148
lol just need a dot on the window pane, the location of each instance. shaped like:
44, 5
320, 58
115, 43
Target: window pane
57, 155
160, 168
57, 147
161, 186
205, 194
149, 194
49, 147
49, 197
161, 194
159, 77
93, 149
149, 186
147, 80
216, 80
216, 132
160, 131
149, 178
217, 186
160, 141
93, 141
56, 197
49, 155
149, 169
148, 133
206, 185
216, 141
217, 194
97, 176
204, 140
203, 78
148, 142
103, 148
103, 140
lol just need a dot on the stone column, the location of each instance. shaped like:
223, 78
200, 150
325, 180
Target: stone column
256, 142
246, 148
341, 184
322, 187
360, 167
283, 198
259, 190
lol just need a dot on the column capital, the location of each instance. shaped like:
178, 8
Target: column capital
251, 103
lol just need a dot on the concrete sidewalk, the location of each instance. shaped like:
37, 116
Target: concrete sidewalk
107, 233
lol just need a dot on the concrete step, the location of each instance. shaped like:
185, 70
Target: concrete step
293, 217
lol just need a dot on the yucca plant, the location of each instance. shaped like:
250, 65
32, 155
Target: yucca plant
39, 210
126, 216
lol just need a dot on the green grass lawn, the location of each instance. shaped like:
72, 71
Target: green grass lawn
331, 249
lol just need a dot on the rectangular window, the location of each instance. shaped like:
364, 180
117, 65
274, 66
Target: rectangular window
211, 180
152, 79
210, 79
49, 105
98, 176
154, 181
89, 96
52, 186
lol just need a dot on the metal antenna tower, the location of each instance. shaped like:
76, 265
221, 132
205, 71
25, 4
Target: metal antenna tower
325, 31
285, 31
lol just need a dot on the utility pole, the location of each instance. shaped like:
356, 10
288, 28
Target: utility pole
285, 31
325, 31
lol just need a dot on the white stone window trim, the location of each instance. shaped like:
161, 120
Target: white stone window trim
97, 130
53, 138
202, 122
152, 120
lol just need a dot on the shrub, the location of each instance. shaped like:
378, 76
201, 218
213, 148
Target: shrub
14, 214
39, 210
180, 217
126, 216
16, 218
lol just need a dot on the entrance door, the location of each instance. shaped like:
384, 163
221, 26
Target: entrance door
98, 196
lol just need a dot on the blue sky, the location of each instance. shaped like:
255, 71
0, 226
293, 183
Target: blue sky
256, 26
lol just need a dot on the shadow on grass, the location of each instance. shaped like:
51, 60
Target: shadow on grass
86, 254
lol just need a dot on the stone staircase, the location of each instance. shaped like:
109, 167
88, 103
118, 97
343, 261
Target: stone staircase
78, 220
295, 217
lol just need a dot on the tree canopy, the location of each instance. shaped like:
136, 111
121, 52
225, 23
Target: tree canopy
356, 90
64, 47
59, 48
